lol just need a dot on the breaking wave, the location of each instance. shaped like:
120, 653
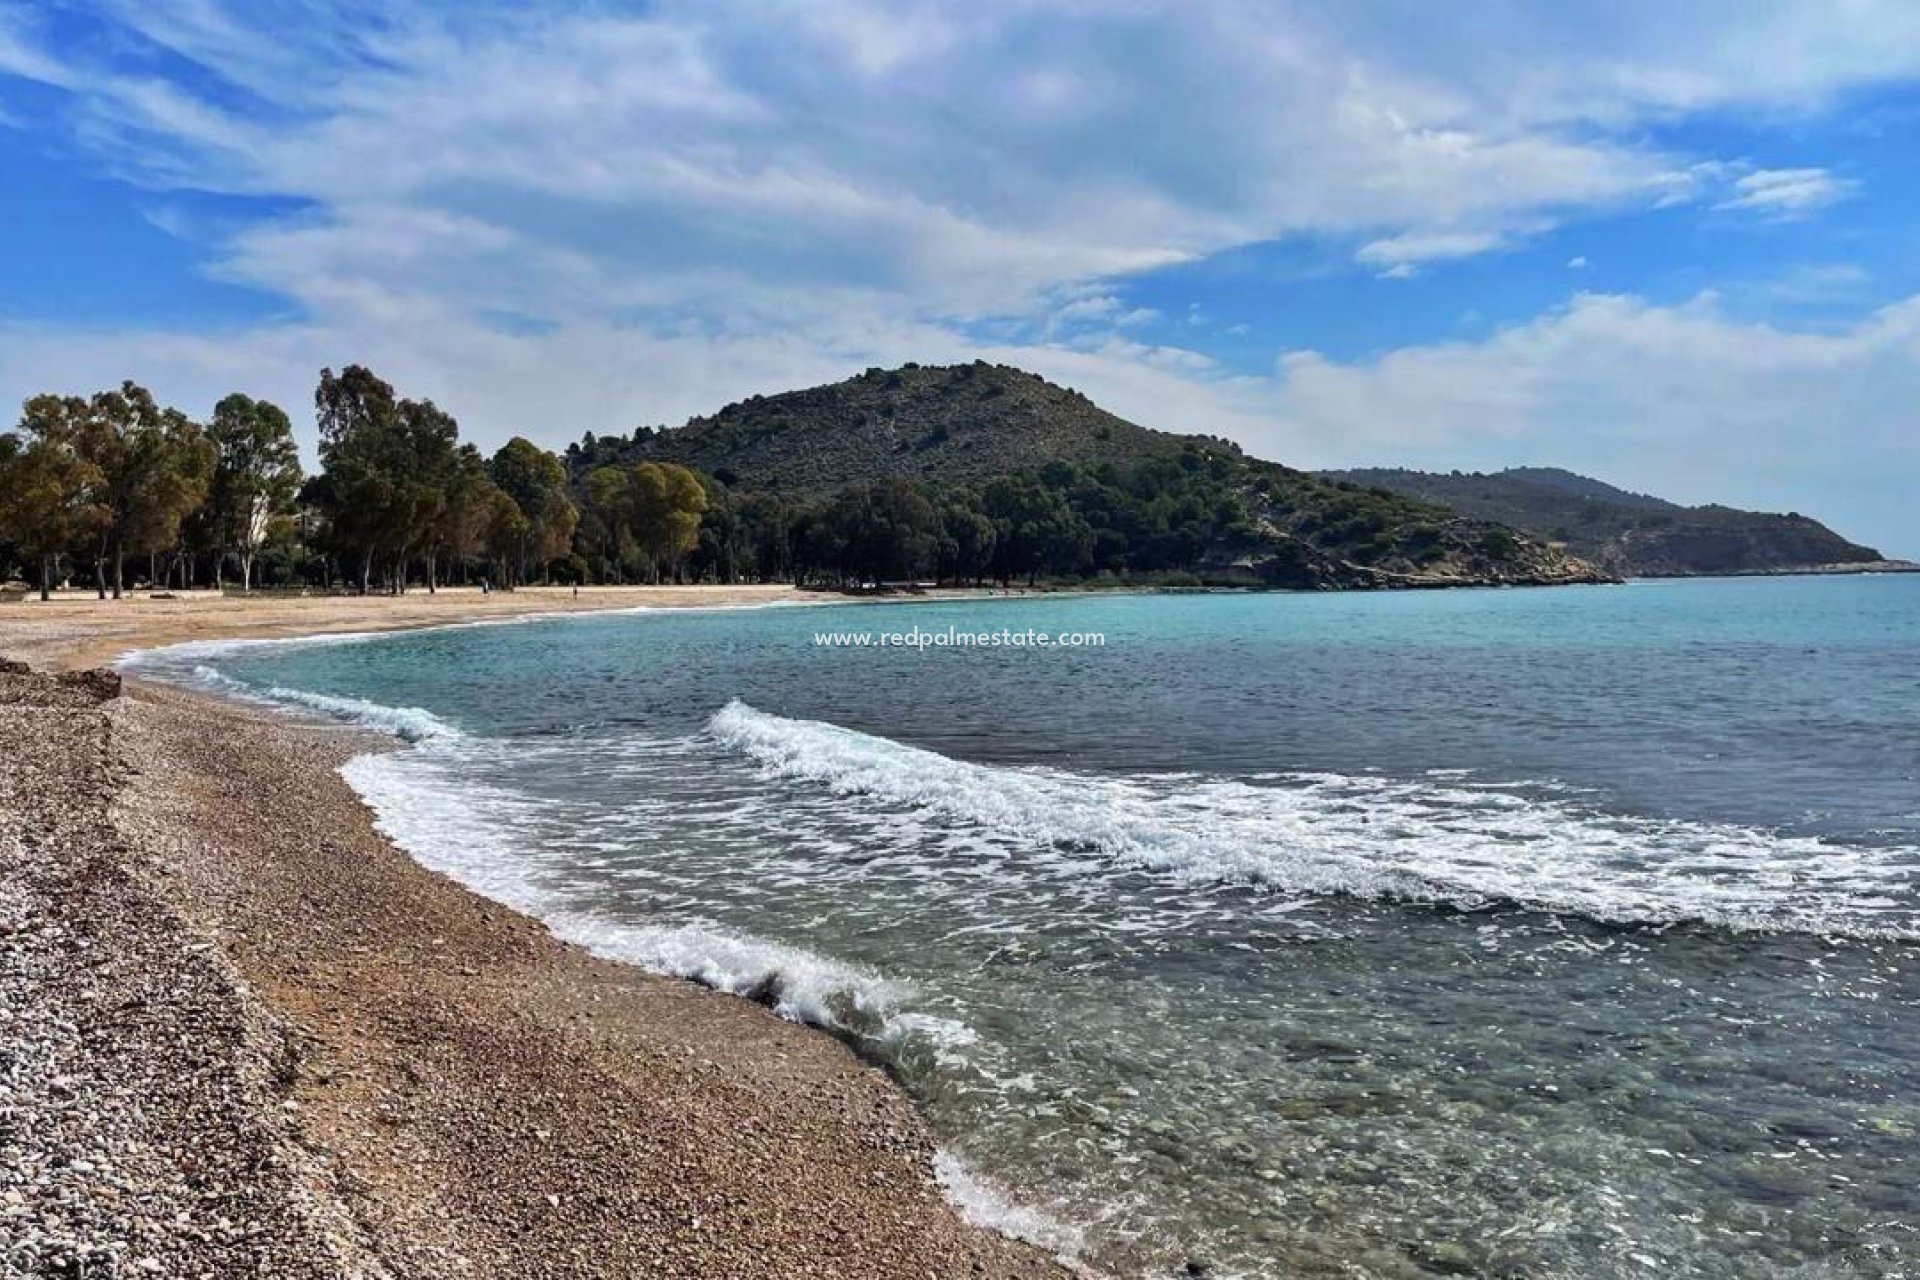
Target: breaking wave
497, 842
413, 724
1370, 837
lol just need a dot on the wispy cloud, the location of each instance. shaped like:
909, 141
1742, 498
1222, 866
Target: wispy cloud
699, 153
1787, 192
1398, 257
697, 200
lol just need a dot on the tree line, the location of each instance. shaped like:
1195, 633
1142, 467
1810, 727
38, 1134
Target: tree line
114, 489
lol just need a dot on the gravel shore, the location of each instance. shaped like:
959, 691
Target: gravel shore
243, 1035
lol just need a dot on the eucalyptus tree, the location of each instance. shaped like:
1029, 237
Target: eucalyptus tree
653, 508
606, 523
256, 474
47, 489
666, 502
470, 501
536, 481
389, 463
429, 449
359, 420
148, 468
1035, 529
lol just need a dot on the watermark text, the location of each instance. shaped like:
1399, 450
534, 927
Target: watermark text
921, 638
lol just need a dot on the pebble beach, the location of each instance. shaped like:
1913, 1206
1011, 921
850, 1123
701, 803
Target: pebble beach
243, 1035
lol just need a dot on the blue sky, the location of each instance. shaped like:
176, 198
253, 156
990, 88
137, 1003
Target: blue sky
1670, 248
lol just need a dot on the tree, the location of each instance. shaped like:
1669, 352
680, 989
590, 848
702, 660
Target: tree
536, 481
881, 532
653, 510
147, 469
726, 540
769, 523
1034, 529
461, 525
359, 419
428, 453
608, 518
46, 488
506, 532
171, 464
666, 502
966, 540
255, 477
389, 465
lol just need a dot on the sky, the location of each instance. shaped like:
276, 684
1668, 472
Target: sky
1671, 246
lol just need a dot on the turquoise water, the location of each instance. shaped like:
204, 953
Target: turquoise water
1543, 933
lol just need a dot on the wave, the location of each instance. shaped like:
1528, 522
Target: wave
986, 1204
1369, 837
496, 842
170, 660
412, 724
864, 1008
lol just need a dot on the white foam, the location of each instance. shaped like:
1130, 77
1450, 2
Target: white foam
172, 659
986, 1204
1370, 837
491, 840
413, 724
865, 1007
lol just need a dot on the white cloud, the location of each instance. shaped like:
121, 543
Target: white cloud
1425, 247
1685, 401
1787, 192
1628, 60
21, 55
1400, 257
697, 201
1578, 263
700, 153
1818, 284
743, 158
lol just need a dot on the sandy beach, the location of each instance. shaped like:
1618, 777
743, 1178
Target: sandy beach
245, 1035
76, 630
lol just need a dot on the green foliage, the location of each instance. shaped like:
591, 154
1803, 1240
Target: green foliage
129, 471
46, 490
536, 483
651, 512
954, 474
256, 474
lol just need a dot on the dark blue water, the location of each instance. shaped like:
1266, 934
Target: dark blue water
1543, 933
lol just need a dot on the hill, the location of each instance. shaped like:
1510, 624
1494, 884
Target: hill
1106, 497
1628, 533
963, 424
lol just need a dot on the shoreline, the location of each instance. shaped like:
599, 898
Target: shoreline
437, 1084
77, 632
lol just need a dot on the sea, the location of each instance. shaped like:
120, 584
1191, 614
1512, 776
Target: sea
1560, 932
